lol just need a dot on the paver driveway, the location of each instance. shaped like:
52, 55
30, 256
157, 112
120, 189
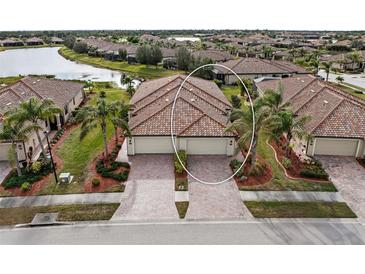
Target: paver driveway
221, 201
149, 192
349, 178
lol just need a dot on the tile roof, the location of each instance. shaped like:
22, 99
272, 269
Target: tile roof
214, 55
334, 113
200, 110
260, 66
60, 91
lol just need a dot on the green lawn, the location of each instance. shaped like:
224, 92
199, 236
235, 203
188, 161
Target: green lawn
79, 212
182, 208
135, 69
351, 91
279, 180
78, 154
9, 80
230, 90
275, 209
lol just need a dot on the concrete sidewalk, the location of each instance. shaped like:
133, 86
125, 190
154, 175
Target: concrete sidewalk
50, 200
299, 196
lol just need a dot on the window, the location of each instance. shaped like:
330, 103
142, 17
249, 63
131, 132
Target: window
66, 109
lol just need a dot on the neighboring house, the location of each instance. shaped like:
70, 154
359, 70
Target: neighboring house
11, 42
109, 50
214, 55
56, 41
200, 118
253, 68
149, 38
66, 95
34, 41
340, 62
337, 119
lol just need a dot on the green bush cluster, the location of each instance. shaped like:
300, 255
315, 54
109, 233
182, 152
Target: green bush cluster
235, 164
25, 186
314, 170
183, 157
109, 172
286, 163
29, 174
58, 136
258, 170
95, 182
219, 83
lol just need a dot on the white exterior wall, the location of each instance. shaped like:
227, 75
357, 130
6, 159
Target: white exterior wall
336, 146
193, 146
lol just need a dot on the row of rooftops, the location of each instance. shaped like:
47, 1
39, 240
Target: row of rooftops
334, 113
28, 41
60, 91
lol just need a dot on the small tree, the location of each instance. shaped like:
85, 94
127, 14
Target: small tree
122, 54
236, 102
143, 55
183, 59
119, 118
156, 55
69, 41
80, 47
327, 67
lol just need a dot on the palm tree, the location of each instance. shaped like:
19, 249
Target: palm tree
340, 79
273, 99
293, 127
34, 112
16, 132
354, 57
315, 65
243, 126
93, 116
119, 118
327, 67
126, 80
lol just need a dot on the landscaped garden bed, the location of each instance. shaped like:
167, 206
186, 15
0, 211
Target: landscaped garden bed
275, 209
245, 176
295, 167
181, 176
279, 180
78, 212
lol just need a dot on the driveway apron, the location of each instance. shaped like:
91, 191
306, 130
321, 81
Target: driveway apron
349, 178
149, 192
220, 201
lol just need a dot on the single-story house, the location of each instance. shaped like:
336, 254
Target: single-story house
56, 40
253, 68
200, 118
67, 95
214, 55
342, 63
34, 41
337, 118
11, 42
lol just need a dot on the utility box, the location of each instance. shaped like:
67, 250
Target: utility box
65, 178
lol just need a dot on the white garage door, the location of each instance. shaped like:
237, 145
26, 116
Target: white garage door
342, 147
207, 146
153, 145
4, 151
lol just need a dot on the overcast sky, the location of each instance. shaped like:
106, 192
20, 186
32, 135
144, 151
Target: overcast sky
182, 14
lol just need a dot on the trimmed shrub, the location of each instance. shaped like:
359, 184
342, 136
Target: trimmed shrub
286, 163
95, 182
183, 157
219, 83
314, 171
36, 167
25, 186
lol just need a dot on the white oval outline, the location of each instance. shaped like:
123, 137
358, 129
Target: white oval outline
172, 120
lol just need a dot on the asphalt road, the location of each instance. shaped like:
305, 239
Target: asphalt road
354, 79
234, 232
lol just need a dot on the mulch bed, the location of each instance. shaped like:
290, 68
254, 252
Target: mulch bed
37, 186
296, 165
361, 161
105, 183
255, 180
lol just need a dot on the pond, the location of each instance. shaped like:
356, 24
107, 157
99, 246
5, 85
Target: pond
180, 38
47, 61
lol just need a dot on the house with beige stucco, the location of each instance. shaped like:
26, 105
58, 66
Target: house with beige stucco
337, 118
201, 114
67, 95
